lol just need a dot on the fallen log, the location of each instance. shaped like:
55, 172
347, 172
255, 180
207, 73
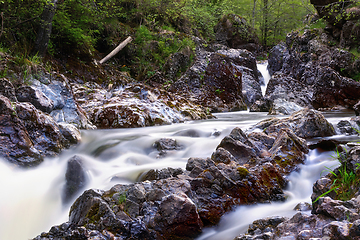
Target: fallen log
116, 50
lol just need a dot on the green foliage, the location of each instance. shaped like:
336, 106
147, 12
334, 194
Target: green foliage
345, 183
320, 23
153, 49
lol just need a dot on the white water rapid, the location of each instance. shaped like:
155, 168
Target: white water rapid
263, 68
30, 201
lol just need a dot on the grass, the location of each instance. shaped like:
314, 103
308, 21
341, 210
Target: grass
345, 183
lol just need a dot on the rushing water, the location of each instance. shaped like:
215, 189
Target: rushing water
30, 200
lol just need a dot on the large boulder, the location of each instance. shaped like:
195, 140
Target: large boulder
221, 79
321, 75
27, 134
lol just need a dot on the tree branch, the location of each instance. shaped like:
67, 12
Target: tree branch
116, 50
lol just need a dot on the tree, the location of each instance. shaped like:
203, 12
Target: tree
45, 26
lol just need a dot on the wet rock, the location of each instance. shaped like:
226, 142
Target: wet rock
221, 80
326, 145
345, 127
337, 210
7, 89
164, 144
356, 108
234, 31
42, 129
155, 174
288, 150
70, 132
122, 108
283, 107
75, 177
336, 230
36, 97
177, 217
284, 91
310, 63
303, 206
306, 123
15, 143
276, 58
262, 228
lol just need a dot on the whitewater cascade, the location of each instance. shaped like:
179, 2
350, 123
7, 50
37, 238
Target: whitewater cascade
31, 203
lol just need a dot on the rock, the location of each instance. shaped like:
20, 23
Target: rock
288, 150
336, 230
122, 108
346, 128
319, 74
355, 229
246, 63
283, 107
326, 145
276, 58
221, 80
337, 210
234, 31
7, 89
331, 10
177, 217
357, 108
306, 123
177, 63
75, 177
155, 174
283, 90
36, 97
303, 206
15, 143
70, 132
262, 228
166, 144
42, 129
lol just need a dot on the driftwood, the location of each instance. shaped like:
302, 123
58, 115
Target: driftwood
116, 50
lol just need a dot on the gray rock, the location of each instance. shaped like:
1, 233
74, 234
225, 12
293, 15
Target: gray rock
76, 178
36, 97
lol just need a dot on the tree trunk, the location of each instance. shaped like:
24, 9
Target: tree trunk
253, 15
44, 31
266, 25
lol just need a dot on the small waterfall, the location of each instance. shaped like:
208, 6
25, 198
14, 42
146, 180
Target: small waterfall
299, 190
263, 68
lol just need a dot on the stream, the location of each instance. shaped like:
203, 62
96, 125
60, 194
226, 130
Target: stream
31, 203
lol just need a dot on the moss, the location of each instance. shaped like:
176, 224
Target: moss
243, 172
93, 215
